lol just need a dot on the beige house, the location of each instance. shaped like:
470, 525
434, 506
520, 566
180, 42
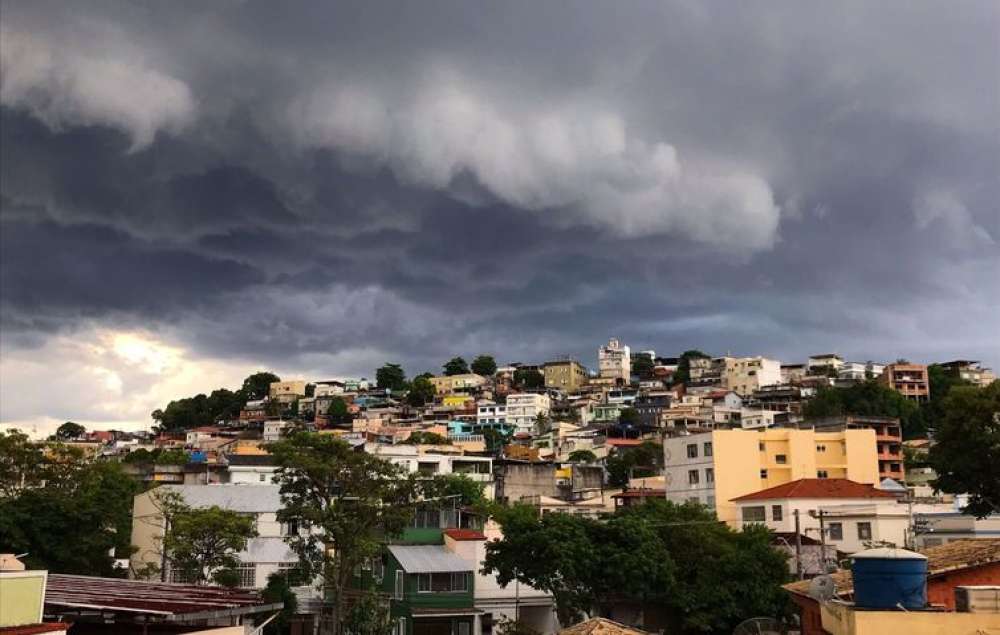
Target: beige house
566, 375
743, 375
287, 391
614, 361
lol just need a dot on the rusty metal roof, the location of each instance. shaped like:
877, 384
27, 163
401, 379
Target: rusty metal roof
170, 602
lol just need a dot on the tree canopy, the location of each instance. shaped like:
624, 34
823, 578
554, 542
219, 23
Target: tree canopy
456, 366
421, 392
390, 377
204, 543
868, 398
420, 437
966, 452
349, 500
77, 522
707, 576
70, 430
582, 456
642, 365
626, 463
528, 378
338, 413
484, 365
257, 386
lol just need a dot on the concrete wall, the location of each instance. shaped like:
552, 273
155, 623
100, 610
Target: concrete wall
843, 620
22, 594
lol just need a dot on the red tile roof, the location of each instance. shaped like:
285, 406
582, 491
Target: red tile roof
817, 488
464, 534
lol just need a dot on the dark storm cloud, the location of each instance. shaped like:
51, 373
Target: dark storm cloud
427, 179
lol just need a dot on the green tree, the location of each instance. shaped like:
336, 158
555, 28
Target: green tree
496, 439
69, 430
421, 392
420, 437
528, 379
278, 589
76, 524
258, 385
456, 366
683, 373
390, 377
350, 500
582, 456
20, 463
542, 423
204, 543
642, 365
369, 615
868, 398
338, 412
469, 492
484, 365
966, 452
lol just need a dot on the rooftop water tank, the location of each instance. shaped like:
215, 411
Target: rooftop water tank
888, 578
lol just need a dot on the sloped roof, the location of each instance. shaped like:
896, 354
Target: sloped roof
600, 626
951, 556
817, 488
428, 559
238, 498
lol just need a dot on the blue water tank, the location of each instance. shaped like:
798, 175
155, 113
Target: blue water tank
887, 578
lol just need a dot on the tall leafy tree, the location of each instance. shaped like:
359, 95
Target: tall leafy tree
204, 543
867, 398
642, 365
456, 366
69, 430
350, 500
528, 379
338, 412
20, 462
966, 452
582, 456
683, 373
484, 365
258, 385
391, 377
421, 392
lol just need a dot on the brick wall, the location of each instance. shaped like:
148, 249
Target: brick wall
941, 588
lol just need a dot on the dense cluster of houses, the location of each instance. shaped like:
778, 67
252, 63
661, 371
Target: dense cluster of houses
730, 432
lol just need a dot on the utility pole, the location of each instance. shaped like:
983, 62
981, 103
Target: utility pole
798, 547
822, 541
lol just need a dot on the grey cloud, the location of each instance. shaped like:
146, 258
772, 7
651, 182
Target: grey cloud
359, 181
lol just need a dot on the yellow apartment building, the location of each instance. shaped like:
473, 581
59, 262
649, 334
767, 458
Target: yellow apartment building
566, 375
714, 467
446, 384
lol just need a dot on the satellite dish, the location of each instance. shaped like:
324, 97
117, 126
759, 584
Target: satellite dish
822, 588
760, 626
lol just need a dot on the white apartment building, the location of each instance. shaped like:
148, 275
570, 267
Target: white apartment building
524, 408
824, 361
743, 375
614, 361
250, 469
860, 371
416, 461
264, 555
491, 413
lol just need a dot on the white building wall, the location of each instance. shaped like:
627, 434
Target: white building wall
678, 466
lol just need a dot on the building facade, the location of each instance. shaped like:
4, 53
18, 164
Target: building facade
614, 361
715, 467
523, 410
909, 380
743, 375
566, 375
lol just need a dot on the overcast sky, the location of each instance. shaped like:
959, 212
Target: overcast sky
195, 191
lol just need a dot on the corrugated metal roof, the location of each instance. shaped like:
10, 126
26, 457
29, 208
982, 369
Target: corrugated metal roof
428, 559
238, 498
151, 598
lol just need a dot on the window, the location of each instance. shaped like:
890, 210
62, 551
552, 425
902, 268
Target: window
248, 575
692, 450
290, 528
709, 475
821, 474
836, 531
427, 519
763, 474
760, 446
455, 582
776, 513
262, 477
707, 450
753, 514
464, 628
692, 477
864, 531
710, 502
399, 584
780, 459
821, 448
292, 573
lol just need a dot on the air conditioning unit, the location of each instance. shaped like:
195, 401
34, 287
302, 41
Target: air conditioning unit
977, 599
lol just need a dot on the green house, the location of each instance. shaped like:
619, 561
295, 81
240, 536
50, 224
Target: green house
431, 591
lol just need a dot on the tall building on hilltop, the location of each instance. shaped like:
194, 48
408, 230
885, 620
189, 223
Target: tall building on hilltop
614, 361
